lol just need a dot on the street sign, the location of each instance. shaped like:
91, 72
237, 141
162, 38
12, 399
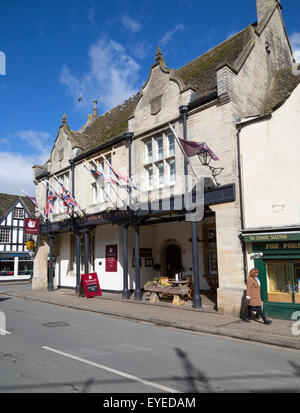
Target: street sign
89, 285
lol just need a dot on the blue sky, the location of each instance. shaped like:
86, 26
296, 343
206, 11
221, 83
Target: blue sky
59, 49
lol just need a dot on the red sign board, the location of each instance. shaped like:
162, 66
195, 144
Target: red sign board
111, 258
32, 226
89, 285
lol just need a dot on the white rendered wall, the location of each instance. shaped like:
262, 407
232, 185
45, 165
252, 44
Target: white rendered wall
270, 168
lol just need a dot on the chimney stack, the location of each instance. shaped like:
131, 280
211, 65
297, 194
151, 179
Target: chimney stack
263, 6
95, 110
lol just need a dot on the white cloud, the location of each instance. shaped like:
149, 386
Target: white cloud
112, 76
16, 168
169, 35
37, 139
131, 24
295, 43
16, 173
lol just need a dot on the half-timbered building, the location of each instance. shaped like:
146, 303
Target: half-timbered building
16, 263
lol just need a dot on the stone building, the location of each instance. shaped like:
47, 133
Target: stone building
202, 100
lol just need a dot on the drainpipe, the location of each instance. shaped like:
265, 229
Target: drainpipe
239, 127
72, 163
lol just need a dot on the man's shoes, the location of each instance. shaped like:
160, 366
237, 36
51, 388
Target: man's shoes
267, 321
245, 320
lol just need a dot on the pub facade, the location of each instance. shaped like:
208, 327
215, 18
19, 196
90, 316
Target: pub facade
130, 235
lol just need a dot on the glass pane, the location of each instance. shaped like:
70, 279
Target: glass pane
149, 152
161, 173
279, 281
171, 145
172, 171
297, 282
160, 149
150, 177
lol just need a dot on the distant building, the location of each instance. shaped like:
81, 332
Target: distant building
202, 100
15, 262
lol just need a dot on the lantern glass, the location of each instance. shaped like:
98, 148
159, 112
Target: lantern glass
205, 158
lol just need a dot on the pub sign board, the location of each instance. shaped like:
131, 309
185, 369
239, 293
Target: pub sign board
89, 285
32, 226
111, 258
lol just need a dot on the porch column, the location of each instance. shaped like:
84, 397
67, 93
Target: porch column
137, 292
51, 263
86, 252
125, 263
197, 303
78, 253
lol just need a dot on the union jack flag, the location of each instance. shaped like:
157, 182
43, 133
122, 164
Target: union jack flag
49, 209
97, 174
68, 199
126, 179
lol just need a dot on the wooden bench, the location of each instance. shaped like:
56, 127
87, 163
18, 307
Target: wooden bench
176, 292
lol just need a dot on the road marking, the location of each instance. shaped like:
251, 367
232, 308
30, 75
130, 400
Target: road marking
4, 332
120, 373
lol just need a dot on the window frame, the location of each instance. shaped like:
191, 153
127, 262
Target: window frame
6, 231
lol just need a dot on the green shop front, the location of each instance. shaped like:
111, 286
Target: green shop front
277, 257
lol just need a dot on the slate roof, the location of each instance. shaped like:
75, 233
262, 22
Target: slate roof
111, 124
282, 86
7, 200
200, 74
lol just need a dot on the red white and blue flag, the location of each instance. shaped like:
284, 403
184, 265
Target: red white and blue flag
126, 179
50, 203
68, 199
100, 175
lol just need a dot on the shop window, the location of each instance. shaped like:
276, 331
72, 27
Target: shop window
7, 267
297, 282
283, 278
25, 267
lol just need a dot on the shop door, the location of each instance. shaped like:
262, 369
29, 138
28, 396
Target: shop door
173, 260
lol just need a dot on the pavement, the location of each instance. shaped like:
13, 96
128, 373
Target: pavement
205, 320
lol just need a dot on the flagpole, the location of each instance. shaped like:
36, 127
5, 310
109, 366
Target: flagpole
58, 196
183, 152
36, 206
110, 182
101, 186
62, 184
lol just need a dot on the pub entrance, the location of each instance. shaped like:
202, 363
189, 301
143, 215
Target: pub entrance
173, 260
